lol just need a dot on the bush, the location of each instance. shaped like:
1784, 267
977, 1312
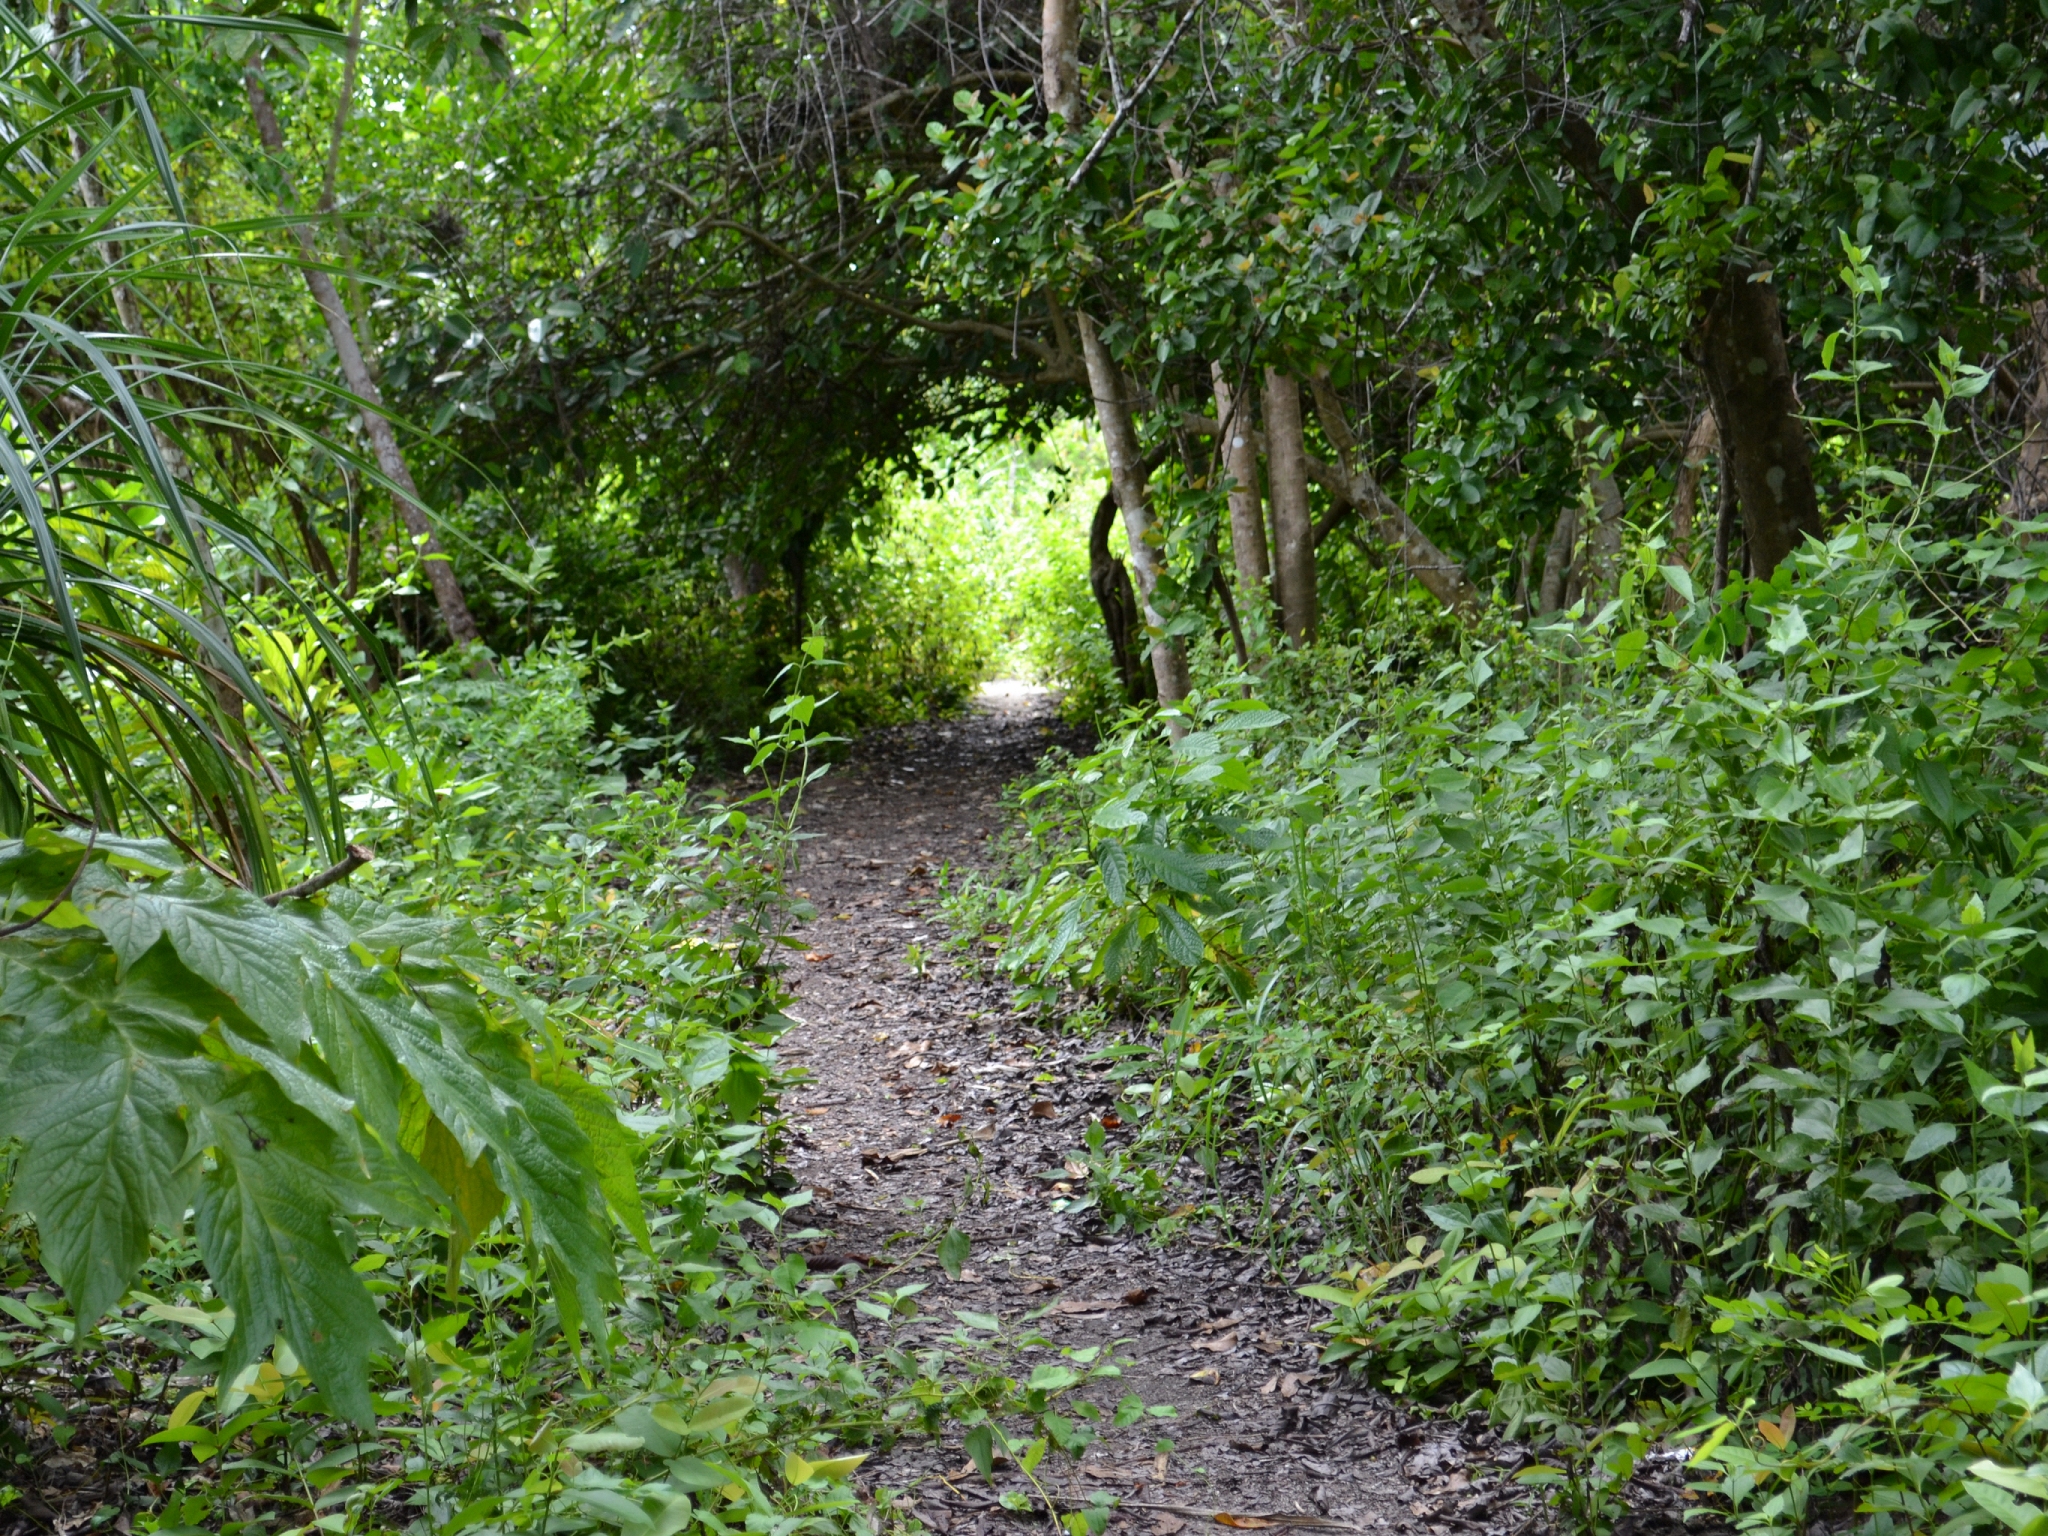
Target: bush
1637, 1020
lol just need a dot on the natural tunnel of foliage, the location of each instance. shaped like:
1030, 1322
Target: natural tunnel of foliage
1544, 505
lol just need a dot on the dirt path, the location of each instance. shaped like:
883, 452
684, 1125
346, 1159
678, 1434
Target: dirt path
932, 1099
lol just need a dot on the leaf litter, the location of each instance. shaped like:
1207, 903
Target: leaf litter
946, 1098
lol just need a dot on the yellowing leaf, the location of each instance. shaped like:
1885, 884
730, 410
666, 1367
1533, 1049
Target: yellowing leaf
187, 1406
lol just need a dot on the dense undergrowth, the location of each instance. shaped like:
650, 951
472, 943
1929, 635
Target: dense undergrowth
1630, 1023
513, 1199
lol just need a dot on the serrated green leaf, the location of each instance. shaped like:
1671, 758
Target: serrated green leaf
1111, 859
96, 1093
266, 1216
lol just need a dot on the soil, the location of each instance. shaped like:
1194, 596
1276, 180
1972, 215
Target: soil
934, 1097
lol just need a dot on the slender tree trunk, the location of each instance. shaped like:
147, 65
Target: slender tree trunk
1724, 532
1438, 574
2029, 499
1111, 584
744, 575
1127, 475
355, 373
316, 547
1593, 577
1060, 59
352, 580
1685, 498
1557, 560
1294, 547
1241, 463
1765, 450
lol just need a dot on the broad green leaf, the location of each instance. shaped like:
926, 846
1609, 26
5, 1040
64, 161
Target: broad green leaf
980, 1447
1115, 867
97, 1092
953, 1250
474, 1198
1929, 1138
266, 1230
227, 937
614, 1148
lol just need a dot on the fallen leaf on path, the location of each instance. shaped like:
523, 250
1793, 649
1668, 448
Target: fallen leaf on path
1270, 1387
1088, 1304
1218, 1345
1040, 1283
815, 956
1244, 1522
1207, 1373
1272, 1344
1231, 1320
1166, 1525
1044, 1109
877, 1158
1290, 1384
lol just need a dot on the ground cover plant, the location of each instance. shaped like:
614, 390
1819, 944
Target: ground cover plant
656, 1355
1633, 1022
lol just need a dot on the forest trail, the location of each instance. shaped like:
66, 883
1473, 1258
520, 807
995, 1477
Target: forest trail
933, 1098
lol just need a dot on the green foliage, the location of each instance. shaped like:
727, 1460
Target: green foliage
1637, 1019
171, 1042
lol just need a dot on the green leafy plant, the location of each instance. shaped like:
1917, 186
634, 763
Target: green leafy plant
172, 1042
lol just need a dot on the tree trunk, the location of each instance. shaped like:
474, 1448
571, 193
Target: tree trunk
355, 373
2029, 499
1724, 532
1685, 498
1241, 463
1557, 560
1441, 576
1060, 59
309, 535
1127, 476
1593, 574
745, 576
1111, 584
1294, 545
1765, 451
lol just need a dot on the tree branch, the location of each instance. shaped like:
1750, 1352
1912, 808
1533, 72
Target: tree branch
1058, 369
1131, 101
354, 860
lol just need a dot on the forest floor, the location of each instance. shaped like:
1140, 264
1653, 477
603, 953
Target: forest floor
933, 1096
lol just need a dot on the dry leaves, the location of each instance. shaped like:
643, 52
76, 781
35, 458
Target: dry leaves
875, 1158
1044, 1109
1218, 1345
